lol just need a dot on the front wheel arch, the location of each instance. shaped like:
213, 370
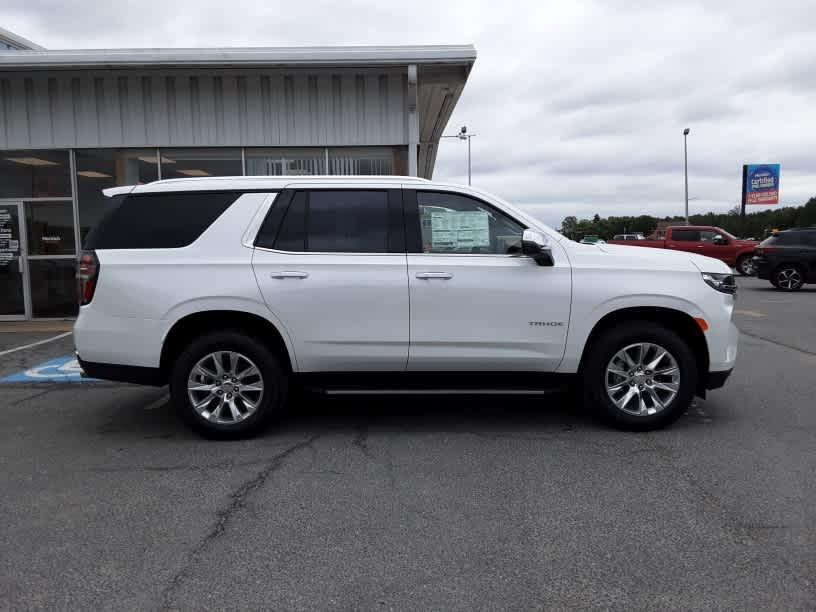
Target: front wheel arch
675, 320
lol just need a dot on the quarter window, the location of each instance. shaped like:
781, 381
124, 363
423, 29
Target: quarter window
453, 223
325, 221
158, 220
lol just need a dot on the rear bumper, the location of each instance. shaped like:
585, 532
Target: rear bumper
137, 375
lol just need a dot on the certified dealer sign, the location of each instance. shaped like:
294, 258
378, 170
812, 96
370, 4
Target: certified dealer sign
61, 369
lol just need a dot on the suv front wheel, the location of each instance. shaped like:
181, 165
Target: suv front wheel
640, 376
227, 385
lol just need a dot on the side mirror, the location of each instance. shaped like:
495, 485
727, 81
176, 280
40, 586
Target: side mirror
718, 239
536, 245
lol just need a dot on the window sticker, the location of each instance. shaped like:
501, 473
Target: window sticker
456, 230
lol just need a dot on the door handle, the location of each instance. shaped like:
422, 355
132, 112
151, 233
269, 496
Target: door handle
289, 274
442, 275
700, 246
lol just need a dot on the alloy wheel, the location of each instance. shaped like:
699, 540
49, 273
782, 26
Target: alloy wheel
789, 278
642, 379
225, 387
746, 266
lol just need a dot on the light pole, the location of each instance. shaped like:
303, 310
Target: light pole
463, 135
685, 166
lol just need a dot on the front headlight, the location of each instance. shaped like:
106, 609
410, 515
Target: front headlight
724, 283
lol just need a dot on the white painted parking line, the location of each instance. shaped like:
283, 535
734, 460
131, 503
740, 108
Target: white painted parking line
33, 344
749, 313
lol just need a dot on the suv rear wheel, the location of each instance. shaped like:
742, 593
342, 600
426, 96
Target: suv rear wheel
745, 265
788, 278
640, 376
227, 385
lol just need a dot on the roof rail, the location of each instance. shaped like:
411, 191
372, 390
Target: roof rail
302, 178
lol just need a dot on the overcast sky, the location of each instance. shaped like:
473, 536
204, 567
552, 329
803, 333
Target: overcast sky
579, 106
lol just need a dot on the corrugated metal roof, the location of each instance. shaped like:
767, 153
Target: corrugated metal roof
239, 57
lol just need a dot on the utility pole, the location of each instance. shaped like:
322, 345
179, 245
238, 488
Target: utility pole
463, 135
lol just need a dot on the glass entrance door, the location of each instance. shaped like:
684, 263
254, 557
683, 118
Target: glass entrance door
12, 267
51, 258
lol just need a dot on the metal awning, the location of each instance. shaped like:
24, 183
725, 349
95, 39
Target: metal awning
238, 57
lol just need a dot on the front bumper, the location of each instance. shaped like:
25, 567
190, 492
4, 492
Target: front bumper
761, 268
715, 380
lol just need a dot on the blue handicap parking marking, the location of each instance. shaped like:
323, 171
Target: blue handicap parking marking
61, 369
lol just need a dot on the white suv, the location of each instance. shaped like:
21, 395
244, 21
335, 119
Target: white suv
234, 289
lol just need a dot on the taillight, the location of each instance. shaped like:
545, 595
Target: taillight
87, 275
765, 250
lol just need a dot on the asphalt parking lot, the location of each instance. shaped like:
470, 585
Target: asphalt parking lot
109, 502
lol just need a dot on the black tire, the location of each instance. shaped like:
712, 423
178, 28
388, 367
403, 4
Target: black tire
608, 345
788, 277
271, 373
745, 265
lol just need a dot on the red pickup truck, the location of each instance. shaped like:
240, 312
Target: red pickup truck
705, 240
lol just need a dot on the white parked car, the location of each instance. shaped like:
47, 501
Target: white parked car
231, 290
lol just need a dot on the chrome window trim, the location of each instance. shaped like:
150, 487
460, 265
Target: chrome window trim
344, 253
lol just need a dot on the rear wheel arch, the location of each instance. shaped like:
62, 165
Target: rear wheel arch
194, 325
676, 320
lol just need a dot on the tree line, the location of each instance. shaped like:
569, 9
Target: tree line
757, 225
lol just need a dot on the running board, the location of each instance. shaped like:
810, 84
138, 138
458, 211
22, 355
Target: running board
433, 383
440, 391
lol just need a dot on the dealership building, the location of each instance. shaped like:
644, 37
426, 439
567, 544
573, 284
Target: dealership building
78, 121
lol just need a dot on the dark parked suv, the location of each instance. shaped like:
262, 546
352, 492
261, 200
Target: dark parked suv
788, 259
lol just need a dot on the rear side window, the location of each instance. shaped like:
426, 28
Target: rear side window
158, 220
685, 235
329, 221
784, 239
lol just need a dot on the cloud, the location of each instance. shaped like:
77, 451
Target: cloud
579, 106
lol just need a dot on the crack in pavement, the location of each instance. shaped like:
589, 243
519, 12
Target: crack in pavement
223, 465
742, 532
777, 343
30, 397
223, 517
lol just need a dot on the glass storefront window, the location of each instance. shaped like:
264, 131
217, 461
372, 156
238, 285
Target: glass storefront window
50, 228
278, 162
53, 287
187, 163
34, 174
361, 160
98, 169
